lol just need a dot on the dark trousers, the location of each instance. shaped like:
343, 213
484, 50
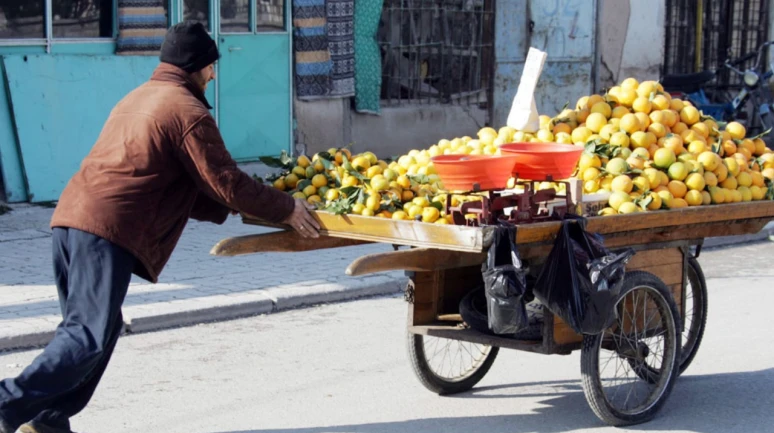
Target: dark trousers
92, 277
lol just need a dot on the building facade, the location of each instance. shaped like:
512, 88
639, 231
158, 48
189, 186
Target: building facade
436, 68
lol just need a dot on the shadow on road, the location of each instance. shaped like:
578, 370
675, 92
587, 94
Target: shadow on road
717, 403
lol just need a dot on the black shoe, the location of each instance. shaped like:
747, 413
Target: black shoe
38, 427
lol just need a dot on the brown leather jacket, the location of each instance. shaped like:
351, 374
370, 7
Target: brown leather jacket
159, 160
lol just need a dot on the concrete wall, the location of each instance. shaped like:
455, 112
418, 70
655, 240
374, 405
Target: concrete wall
332, 123
631, 40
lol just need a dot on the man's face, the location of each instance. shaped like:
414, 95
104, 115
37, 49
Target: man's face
204, 76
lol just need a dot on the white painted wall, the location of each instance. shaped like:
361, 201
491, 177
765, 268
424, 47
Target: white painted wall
631, 40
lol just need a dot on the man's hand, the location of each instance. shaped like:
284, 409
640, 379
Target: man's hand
301, 220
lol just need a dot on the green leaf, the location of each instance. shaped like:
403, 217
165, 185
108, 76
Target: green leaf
327, 164
762, 134
436, 205
716, 148
349, 191
418, 179
590, 147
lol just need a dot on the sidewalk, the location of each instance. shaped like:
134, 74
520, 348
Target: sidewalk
195, 287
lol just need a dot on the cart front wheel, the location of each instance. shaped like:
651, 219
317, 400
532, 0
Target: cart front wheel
645, 336
447, 366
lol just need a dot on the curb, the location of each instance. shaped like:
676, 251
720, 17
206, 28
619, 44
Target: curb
258, 302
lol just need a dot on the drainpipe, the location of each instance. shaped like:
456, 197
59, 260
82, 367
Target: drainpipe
699, 33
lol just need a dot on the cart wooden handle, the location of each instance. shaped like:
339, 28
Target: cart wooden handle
278, 242
416, 259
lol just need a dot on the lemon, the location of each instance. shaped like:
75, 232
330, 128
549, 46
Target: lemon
744, 179
736, 129
690, 115
300, 195
291, 180
314, 199
655, 201
358, 208
421, 201
413, 211
430, 214
319, 180
332, 194
590, 173
299, 171
617, 198
617, 166
350, 181
303, 161
729, 183
630, 84
757, 192
666, 198
310, 190
373, 202
622, 183
581, 134
641, 105
678, 171
641, 182
595, 122
626, 97
677, 188
664, 157
279, 184
660, 102
678, 203
619, 139
746, 193
591, 186
400, 215
630, 123
696, 182
602, 108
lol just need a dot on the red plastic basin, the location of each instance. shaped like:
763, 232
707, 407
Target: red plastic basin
463, 172
538, 161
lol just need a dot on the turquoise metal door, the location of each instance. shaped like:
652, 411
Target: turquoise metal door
254, 87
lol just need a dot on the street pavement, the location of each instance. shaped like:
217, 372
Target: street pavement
343, 367
195, 287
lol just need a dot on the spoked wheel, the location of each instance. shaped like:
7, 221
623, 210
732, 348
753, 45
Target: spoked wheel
694, 320
695, 312
447, 366
644, 337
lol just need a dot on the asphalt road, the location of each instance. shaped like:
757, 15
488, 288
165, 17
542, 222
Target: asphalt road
344, 368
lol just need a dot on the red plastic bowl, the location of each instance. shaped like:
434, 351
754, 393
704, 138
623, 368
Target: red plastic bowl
463, 172
538, 161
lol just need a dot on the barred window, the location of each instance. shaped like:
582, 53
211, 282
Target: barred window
437, 51
730, 29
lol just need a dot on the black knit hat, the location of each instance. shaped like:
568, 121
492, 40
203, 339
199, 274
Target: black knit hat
188, 46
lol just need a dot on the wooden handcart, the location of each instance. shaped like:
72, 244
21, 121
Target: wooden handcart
628, 370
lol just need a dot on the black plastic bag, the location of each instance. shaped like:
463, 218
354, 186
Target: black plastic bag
581, 279
505, 284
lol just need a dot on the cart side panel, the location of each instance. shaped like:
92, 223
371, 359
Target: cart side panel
438, 293
666, 264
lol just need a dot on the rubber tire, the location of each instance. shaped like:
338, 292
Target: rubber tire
699, 311
474, 317
439, 385
595, 396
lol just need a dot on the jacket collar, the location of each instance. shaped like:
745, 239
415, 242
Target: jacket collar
173, 74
